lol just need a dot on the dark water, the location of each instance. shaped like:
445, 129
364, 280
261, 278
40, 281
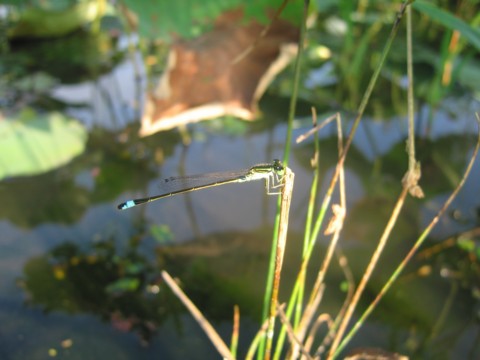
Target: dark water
81, 280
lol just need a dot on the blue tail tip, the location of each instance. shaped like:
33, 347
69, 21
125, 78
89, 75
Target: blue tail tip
126, 205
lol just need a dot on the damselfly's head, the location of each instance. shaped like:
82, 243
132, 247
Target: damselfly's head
278, 166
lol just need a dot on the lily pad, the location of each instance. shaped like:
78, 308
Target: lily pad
32, 144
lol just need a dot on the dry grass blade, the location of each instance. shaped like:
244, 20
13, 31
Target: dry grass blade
417, 245
335, 226
369, 270
343, 262
413, 174
202, 321
305, 322
290, 333
236, 330
316, 128
396, 210
321, 319
287, 191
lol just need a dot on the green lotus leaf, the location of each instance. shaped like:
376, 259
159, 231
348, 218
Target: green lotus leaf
32, 144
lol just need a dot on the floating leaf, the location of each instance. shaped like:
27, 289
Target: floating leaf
32, 144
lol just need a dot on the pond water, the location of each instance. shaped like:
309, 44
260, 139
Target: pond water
81, 279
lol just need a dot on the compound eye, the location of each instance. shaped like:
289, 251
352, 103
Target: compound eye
277, 165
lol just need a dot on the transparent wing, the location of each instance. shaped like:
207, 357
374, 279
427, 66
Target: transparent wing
178, 183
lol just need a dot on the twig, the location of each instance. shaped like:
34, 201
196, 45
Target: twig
410, 180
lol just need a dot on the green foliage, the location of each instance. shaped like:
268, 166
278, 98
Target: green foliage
123, 285
54, 18
49, 4
450, 21
469, 245
162, 234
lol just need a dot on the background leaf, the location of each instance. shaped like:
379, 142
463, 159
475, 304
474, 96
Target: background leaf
189, 18
448, 20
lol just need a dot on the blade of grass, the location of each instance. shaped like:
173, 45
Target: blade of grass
368, 272
296, 297
296, 81
235, 331
334, 228
311, 208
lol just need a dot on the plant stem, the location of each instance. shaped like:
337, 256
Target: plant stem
267, 301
